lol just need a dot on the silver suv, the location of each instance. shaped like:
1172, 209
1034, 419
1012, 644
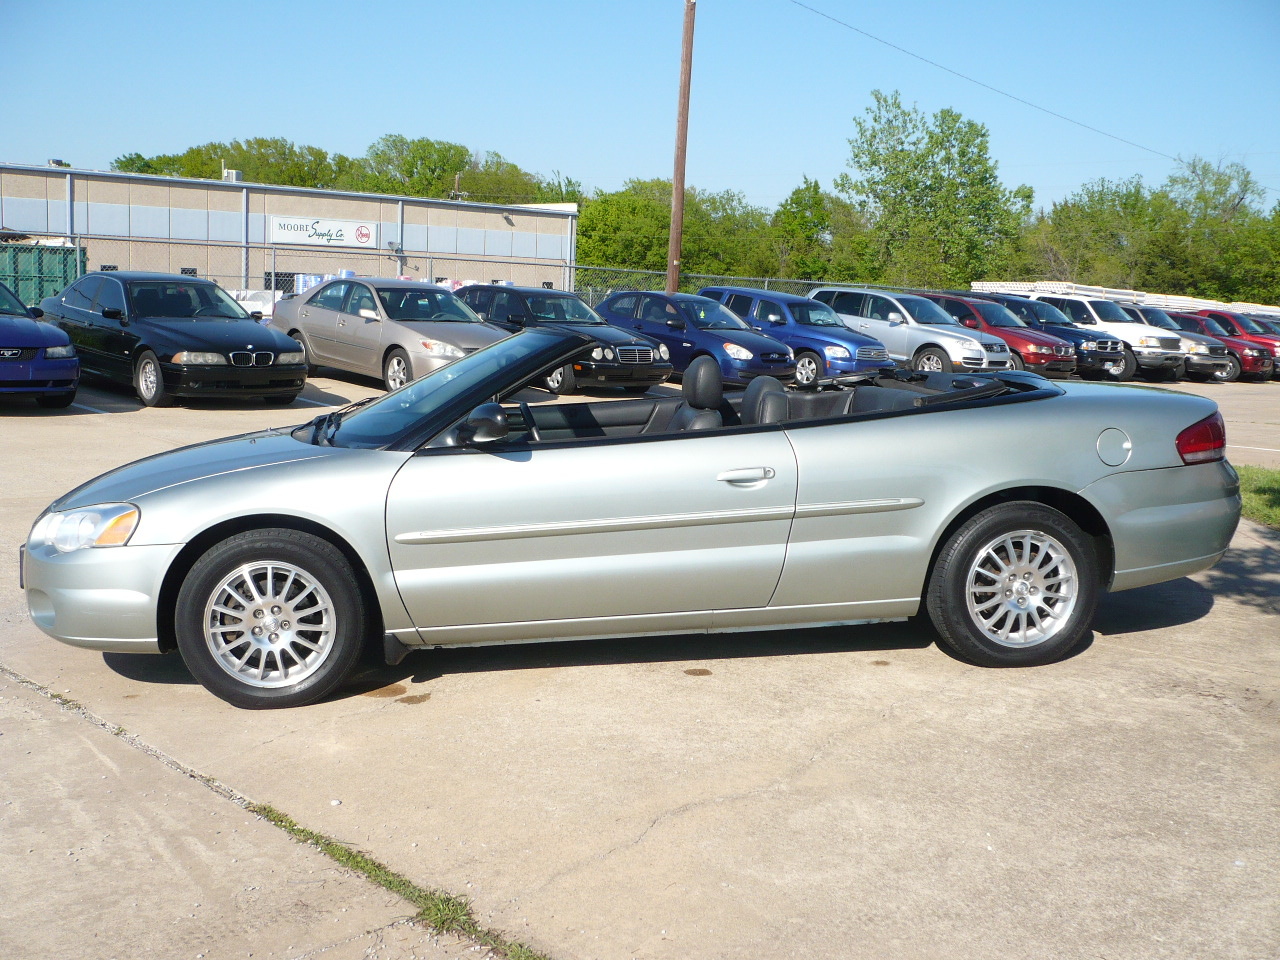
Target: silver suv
916, 332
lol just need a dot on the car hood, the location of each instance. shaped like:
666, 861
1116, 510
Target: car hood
200, 461
946, 331
467, 335
219, 335
1197, 337
603, 333
755, 342
1035, 336
25, 332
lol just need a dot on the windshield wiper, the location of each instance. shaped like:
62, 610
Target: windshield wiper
327, 426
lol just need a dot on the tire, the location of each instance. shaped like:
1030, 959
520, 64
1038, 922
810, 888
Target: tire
1126, 372
57, 401
1232, 372
808, 367
281, 400
1056, 571
1015, 359
148, 381
561, 381
931, 360
319, 646
306, 352
396, 369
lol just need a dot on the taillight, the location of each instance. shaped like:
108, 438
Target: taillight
1203, 441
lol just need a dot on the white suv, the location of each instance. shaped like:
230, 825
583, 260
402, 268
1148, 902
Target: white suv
916, 332
1149, 348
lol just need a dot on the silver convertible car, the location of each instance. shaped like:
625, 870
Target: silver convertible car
454, 511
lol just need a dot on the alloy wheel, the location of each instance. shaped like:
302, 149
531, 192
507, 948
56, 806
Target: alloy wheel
1021, 588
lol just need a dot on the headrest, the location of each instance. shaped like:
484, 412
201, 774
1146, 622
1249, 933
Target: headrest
756, 391
702, 387
774, 408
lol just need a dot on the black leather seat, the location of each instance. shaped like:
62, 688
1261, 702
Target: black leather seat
699, 408
764, 401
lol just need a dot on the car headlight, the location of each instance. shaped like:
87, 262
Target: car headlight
55, 353
608, 353
438, 348
597, 353
1251, 352
1088, 345
1198, 348
737, 352
199, 359
297, 356
663, 352
836, 352
1149, 342
106, 525
1040, 348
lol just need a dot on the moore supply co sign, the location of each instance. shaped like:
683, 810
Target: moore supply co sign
323, 233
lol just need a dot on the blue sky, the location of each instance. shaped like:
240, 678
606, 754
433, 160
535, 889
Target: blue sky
589, 88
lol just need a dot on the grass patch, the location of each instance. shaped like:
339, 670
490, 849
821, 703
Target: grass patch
1260, 488
441, 911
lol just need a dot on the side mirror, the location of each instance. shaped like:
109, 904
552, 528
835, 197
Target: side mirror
970, 322
485, 424
483, 315
367, 314
675, 323
519, 319
255, 315
773, 318
112, 313
895, 317
35, 312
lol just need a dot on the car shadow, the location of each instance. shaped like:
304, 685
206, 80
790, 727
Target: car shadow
1168, 604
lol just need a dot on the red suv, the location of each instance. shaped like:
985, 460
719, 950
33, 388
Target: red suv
1238, 325
1029, 349
1246, 357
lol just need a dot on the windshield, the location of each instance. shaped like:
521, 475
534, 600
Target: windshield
561, 308
1048, 313
407, 303
441, 397
997, 315
10, 305
926, 311
1246, 324
173, 299
811, 313
1269, 324
1108, 311
1209, 325
1158, 318
709, 315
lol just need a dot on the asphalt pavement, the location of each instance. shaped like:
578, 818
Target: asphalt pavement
849, 792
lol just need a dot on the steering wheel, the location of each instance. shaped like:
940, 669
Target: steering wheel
527, 415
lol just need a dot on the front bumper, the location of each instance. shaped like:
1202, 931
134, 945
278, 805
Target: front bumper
1049, 363
39, 377
744, 371
621, 374
842, 368
1257, 365
1150, 359
1200, 363
990, 361
100, 598
1089, 360
192, 381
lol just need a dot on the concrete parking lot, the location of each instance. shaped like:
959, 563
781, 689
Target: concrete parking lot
848, 792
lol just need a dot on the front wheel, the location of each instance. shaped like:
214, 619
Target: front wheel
931, 360
1016, 585
808, 368
1016, 361
561, 380
1230, 373
306, 352
270, 618
1123, 370
396, 369
148, 381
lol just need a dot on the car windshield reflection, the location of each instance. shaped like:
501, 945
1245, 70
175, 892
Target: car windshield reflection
711, 316
171, 300
562, 309
814, 314
403, 303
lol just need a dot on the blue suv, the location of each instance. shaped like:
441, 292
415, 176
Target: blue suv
822, 344
693, 326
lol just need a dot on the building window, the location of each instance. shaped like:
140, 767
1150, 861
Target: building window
279, 281
189, 272
107, 267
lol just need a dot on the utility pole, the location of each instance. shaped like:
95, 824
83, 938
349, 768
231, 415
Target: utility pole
682, 138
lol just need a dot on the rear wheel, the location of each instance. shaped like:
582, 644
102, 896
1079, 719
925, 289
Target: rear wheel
808, 368
931, 360
1016, 585
306, 352
1231, 372
148, 381
270, 618
561, 380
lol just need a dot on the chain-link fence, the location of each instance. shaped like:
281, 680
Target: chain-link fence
593, 284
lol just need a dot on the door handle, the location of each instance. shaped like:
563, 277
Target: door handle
304, 313
747, 475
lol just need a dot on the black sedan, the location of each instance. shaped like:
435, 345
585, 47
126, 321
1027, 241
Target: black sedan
175, 336
621, 358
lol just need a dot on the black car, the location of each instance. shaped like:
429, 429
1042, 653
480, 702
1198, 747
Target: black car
620, 358
175, 336
1095, 354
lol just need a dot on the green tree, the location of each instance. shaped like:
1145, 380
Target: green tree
930, 189
418, 167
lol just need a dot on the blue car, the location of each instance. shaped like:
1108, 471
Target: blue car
36, 359
693, 326
822, 344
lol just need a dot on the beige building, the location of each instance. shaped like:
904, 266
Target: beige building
258, 236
